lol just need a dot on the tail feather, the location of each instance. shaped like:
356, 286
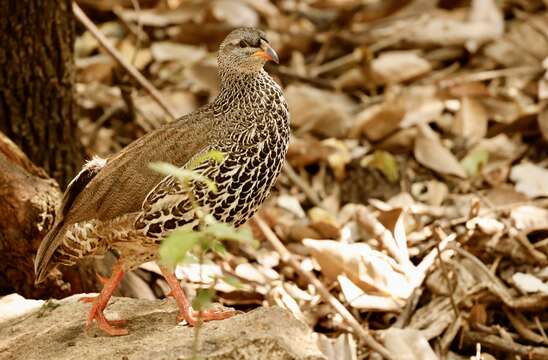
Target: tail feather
42, 262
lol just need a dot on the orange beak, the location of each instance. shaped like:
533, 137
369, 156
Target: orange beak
267, 53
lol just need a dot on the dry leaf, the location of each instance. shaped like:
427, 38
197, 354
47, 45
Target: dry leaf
542, 120
358, 299
432, 154
321, 112
529, 218
234, 13
377, 121
530, 179
365, 267
291, 204
342, 347
198, 273
488, 226
486, 23
162, 17
396, 66
150, 115
170, 51
471, 121
528, 283
431, 192
410, 343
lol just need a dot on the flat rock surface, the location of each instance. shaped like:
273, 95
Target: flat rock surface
55, 330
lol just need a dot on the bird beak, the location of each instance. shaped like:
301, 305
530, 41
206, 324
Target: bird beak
267, 53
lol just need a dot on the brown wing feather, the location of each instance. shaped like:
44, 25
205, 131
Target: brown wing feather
123, 183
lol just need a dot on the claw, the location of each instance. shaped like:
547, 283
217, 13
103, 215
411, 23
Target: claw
186, 312
88, 299
100, 302
193, 317
108, 326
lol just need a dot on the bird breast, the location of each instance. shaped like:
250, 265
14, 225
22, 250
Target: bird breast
253, 134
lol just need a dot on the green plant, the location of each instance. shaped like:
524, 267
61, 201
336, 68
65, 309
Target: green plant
186, 245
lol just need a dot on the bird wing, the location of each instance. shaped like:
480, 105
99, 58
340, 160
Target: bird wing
123, 183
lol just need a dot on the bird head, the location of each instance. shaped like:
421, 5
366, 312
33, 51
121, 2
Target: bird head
245, 50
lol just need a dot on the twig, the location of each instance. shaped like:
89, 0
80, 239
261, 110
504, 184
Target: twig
519, 235
499, 344
293, 176
520, 325
102, 120
284, 72
489, 75
540, 328
446, 274
403, 319
450, 335
344, 61
111, 50
287, 257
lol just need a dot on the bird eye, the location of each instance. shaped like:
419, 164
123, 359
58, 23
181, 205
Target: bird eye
243, 43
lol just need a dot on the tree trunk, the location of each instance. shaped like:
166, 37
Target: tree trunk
28, 200
27, 207
36, 78
37, 113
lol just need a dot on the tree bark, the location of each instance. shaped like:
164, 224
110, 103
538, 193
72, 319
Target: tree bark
36, 79
37, 113
29, 199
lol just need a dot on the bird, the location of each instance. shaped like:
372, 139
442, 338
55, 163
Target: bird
120, 205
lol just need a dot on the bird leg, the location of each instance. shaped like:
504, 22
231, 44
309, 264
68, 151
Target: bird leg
100, 302
185, 309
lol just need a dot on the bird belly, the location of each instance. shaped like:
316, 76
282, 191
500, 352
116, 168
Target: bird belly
243, 180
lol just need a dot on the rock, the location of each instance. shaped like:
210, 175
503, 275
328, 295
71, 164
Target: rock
56, 331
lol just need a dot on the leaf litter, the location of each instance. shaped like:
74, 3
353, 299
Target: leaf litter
416, 183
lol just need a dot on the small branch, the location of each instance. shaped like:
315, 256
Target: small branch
288, 258
520, 325
489, 75
445, 273
297, 180
111, 50
499, 344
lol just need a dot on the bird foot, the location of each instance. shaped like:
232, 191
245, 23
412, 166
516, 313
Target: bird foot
111, 327
192, 317
186, 312
88, 299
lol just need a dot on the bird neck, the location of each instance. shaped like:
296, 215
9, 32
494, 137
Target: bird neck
252, 107
244, 90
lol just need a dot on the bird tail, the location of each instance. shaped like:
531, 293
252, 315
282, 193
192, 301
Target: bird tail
42, 262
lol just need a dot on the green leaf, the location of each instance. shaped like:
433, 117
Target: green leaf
183, 174
218, 247
473, 162
175, 247
203, 299
233, 281
387, 164
227, 232
214, 155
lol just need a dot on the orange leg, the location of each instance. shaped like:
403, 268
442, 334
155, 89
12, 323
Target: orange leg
185, 309
100, 303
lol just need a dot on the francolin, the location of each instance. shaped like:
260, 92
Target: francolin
121, 205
